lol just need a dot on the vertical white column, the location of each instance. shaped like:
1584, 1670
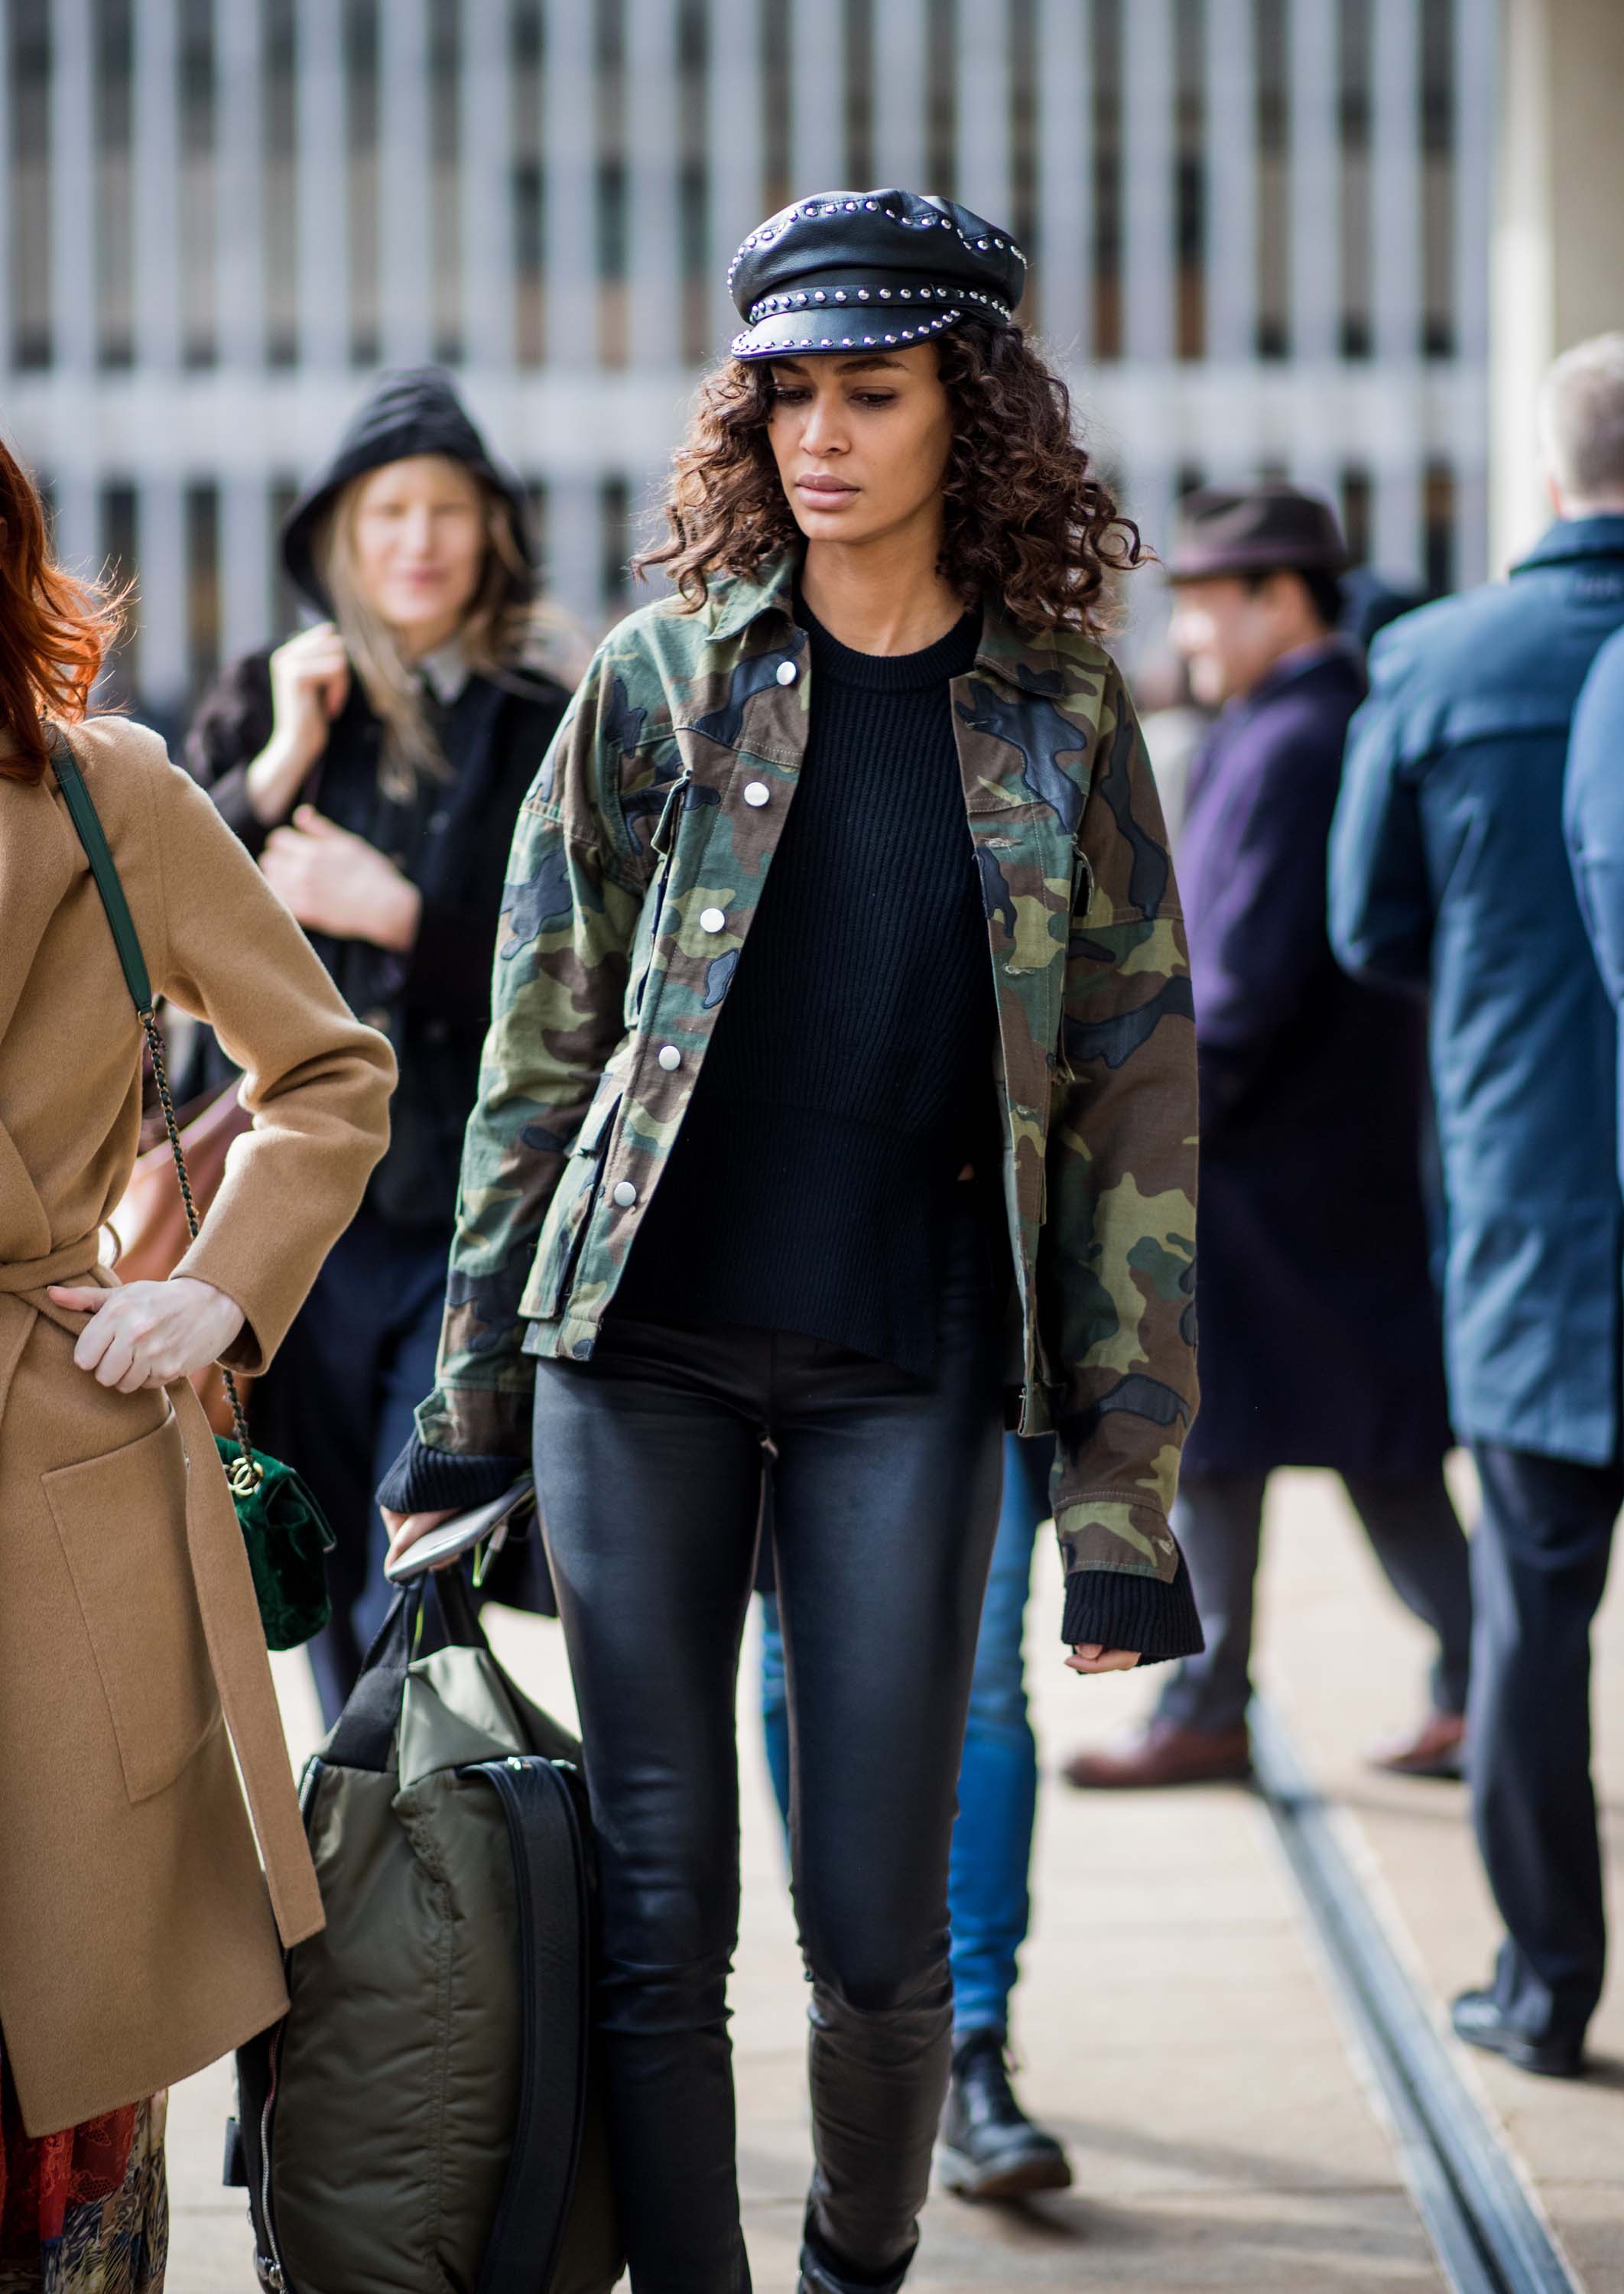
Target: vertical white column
7, 309
404, 184
653, 283
73, 274
1065, 251
901, 75
569, 151
817, 100
485, 168
239, 286
983, 124
569, 154
576, 546
323, 192
1474, 89
1398, 545
734, 146
238, 184
1315, 179
155, 107
1314, 287
1231, 157
163, 644
246, 602
1148, 178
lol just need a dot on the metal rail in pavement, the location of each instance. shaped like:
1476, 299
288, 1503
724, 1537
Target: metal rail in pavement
1488, 2233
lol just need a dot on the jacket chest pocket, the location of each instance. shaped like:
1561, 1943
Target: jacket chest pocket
121, 1519
563, 1231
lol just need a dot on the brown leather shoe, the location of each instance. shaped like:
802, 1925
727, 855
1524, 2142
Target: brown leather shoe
1434, 1749
1163, 1752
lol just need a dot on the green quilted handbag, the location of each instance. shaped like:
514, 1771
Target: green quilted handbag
283, 1527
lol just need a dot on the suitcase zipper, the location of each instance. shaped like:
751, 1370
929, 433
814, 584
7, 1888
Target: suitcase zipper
269, 2264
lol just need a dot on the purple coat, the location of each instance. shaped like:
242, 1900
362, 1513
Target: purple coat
1319, 1330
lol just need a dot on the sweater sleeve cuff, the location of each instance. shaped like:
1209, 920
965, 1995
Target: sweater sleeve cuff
1121, 1610
422, 1480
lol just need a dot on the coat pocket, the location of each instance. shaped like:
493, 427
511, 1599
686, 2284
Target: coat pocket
122, 1522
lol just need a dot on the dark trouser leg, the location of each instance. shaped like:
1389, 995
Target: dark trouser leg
1417, 1536
1538, 1567
405, 1374
320, 1409
1218, 1520
987, 1897
887, 1501
649, 1479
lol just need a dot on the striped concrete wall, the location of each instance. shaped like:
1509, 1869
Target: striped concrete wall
1259, 230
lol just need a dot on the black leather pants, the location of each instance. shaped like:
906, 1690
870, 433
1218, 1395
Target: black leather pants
650, 1461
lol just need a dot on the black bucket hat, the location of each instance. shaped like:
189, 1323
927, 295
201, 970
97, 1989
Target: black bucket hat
1254, 530
861, 270
412, 411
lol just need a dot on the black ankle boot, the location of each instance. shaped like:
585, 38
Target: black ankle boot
988, 2148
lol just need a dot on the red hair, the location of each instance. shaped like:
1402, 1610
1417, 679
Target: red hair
54, 629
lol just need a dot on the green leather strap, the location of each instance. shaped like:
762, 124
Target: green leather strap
87, 822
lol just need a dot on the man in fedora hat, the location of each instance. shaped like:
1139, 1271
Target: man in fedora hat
1319, 1330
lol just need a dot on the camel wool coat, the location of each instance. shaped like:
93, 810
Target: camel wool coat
139, 1937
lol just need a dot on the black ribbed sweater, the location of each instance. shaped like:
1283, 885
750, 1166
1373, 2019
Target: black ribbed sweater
850, 1076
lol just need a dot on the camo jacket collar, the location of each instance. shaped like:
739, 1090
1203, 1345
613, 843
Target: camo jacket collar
747, 598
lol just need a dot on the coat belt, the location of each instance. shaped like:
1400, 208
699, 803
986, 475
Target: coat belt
59, 1265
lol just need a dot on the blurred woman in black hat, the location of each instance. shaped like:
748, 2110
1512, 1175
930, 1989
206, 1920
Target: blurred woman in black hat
816, 1131
376, 763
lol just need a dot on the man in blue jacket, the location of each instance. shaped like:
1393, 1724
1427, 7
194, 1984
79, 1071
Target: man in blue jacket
1448, 873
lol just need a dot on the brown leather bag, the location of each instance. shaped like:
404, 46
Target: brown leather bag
151, 1221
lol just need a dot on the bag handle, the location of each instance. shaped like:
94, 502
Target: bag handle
247, 1473
544, 1836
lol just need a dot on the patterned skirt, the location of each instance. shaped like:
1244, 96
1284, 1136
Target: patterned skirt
86, 2211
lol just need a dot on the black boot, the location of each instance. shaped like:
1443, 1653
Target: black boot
988, 2148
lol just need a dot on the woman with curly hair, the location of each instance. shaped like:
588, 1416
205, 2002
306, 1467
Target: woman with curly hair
140, 1937
840, 1095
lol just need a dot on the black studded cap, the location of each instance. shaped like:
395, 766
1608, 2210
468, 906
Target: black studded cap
847, 270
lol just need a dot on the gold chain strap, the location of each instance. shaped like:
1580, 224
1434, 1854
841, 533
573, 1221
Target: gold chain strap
247, 1473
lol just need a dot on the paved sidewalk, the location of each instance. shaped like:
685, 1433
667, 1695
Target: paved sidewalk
1344, 1663
1173, 2025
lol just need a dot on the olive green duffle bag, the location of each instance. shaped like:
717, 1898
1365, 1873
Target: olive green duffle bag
423, 2119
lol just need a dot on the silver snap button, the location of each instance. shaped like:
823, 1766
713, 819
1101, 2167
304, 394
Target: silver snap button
787, 672
757, 794
625, 1194
711, 919
670, 1057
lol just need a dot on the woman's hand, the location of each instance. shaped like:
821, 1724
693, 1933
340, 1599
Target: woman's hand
147, 1334
405, 1529
1094, 1656
336, 883
310, 683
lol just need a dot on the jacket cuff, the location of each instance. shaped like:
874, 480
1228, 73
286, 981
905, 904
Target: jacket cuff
1122, 1609
422, 1480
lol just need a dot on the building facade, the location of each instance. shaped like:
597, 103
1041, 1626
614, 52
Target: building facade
1259, 232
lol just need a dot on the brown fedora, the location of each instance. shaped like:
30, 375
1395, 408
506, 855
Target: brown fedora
1254, 530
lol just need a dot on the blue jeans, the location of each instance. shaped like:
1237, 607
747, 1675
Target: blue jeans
988, 1903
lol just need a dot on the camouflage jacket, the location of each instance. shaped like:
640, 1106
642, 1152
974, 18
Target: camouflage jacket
637, 865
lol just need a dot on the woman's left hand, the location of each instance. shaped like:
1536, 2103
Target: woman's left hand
149, 1334
336, 883
1092, 1657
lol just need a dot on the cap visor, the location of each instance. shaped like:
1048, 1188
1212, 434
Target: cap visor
845, 327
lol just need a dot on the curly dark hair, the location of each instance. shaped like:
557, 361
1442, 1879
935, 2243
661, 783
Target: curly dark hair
1027, 520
